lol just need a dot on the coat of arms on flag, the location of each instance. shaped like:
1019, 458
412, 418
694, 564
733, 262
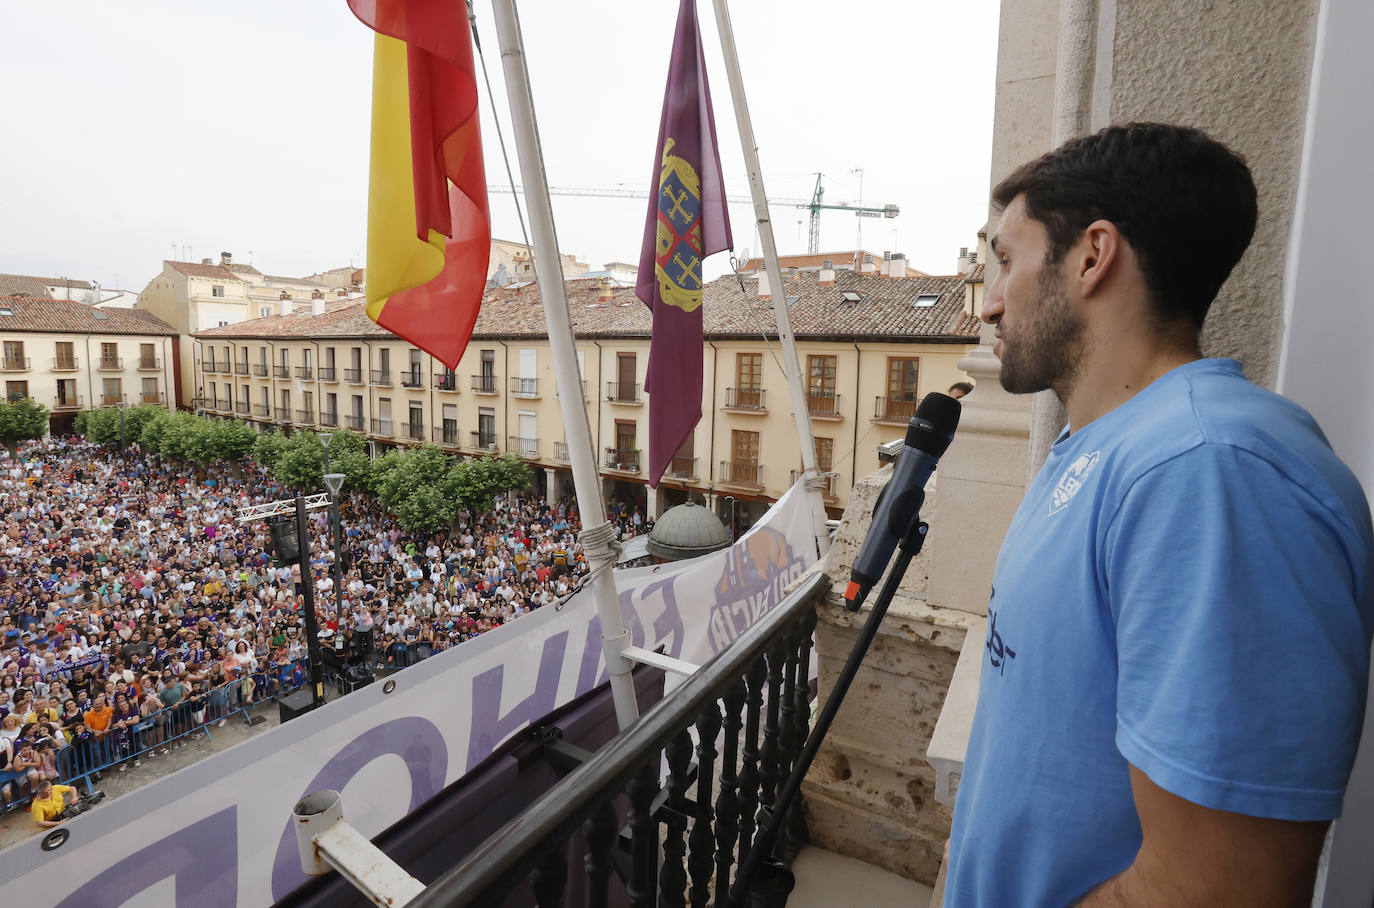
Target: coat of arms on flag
677, 248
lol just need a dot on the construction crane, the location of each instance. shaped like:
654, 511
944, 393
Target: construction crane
813, 204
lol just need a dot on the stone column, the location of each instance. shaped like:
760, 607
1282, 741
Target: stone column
651, 504
550, 486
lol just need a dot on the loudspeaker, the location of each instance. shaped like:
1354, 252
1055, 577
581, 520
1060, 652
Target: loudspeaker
296, 703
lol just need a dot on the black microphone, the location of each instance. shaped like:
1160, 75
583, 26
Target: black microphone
899, 505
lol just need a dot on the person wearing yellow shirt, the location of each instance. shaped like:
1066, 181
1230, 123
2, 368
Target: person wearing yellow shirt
49, 802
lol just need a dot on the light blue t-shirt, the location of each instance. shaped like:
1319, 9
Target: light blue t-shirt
1185, 588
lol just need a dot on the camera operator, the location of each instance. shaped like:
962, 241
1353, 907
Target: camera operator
53, 804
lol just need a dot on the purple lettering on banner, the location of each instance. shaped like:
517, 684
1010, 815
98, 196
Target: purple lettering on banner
588, 677
417, 741
489, 727
669, 621
201, 858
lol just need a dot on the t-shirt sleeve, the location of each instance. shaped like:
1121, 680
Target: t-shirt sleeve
1242, 656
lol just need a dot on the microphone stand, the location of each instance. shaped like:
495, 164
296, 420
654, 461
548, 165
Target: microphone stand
775, 879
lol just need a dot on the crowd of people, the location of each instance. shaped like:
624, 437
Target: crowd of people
135, 611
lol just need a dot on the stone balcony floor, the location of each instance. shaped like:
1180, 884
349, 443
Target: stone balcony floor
829, 880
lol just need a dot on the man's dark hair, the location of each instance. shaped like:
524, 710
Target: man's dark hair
1185, 202
964, 386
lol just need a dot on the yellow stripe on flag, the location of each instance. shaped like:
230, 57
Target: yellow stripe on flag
396, 258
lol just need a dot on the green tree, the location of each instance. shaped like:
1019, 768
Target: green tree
136, 419
475, 483
301, 464
150, 436
267, 449
21, 420
417, 488
225, 440
100, 426
348, 455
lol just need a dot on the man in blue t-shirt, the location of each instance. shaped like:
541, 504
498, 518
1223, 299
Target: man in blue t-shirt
1177, 651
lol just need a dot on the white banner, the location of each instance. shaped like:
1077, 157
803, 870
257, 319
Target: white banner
218, 833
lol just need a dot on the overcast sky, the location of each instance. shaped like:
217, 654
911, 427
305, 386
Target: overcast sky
140, 130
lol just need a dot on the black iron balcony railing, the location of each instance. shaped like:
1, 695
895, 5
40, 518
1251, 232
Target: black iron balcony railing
149, 363
353, 376
353, 422
262, 411
823, 404
482, 441
225, 404
329, 419
894, 409
197, 403
67, 402
239, 368
683, 468
484, 384
66, 364
741, 473
305, 373
832, 484
328, 373
112, 364
16, 364
624, 459
240, 406
525, 447
381, 377
699, 832
445, 381
305, 417
260, 370
412, 379
282, 414
415, 431
281, 371
381, 427
447, 434
751, 399
621, 392
524, 387
561, 453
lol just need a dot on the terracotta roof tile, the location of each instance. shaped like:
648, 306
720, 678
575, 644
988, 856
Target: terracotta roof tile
72, 317
975, 274
37, 287
193, 269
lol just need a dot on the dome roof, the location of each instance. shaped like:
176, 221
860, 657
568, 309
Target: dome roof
687, 531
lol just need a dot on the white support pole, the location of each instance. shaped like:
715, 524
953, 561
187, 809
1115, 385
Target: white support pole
814, 479
597, 532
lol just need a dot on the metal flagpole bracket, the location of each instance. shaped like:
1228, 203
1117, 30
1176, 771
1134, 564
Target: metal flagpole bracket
327, 843
659, 660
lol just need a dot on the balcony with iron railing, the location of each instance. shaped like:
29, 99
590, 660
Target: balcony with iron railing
111, 364
414, 431
445, 381
67, 402
305, 373
207, 366
260, 370
561, 452
329, 420
620, 392
832, 484
527, 448
353, 376
823, 405
262, 411
383, 427
225, 405
682, 468
305, 417
16, 364
447, 434
381, 378
281, 371
66, 364
482, 441
240, 406
527, 388
239, 368
746, 474
897, 410
412, 378
746, 400
281, 414
197, 403
622, 460
353, 422
329, 374
745, 715
556, 393
484, 383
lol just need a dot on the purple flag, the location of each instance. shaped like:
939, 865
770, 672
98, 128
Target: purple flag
687, 221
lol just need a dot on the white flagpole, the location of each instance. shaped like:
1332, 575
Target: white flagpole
815, 482
596, 537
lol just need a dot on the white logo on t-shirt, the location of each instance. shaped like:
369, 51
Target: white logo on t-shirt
1072, 480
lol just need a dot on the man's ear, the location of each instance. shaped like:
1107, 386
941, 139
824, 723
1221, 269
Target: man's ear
1098, 255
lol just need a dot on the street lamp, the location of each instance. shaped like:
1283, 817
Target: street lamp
334, 482
121, 425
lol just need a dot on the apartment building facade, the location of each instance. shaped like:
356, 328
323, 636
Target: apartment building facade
871, 345
71, 356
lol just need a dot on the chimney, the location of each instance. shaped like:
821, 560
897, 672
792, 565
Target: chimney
604, 290
967, 259
764, 292
887, 263
226, 258
285, 303
826, 278
317, 294
868, 267
898, 266
317, 303
207, 261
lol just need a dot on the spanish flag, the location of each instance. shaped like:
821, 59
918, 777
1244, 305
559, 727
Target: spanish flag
428, 229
